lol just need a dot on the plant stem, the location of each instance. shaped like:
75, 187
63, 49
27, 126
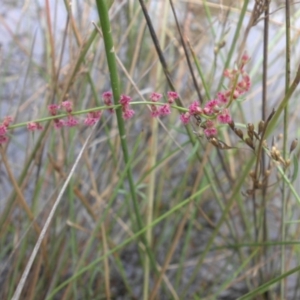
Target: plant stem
112, 65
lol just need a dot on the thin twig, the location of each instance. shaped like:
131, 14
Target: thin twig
186, 54
35, 250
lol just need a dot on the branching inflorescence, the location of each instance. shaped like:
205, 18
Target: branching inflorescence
214, 112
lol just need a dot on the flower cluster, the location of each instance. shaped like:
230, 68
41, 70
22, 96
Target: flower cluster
33, 126
165, 109
217, 109
213, 112
3, 129
107, 98
127, 113
67, 106
90, 120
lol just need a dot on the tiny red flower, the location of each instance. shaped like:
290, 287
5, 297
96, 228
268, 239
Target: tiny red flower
244, 59
224, 117
154, 111
172, 96
92, 118
195, 108
164, 110
89, 121
68, 106
107, 98
210, 132
235, 94
53, 109
210, 129
3, 130
32, 126
7, 120
244, 85
71, 122
230, 73
95, 114
58, 123
211, 107
222, 98
125, 100
128, 114
185, 118
154, 97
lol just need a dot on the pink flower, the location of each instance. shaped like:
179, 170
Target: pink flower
32, 126
96, 114
210, 129
172, 96
154, 97
195, 109
244, 85
125, 100
68, 106
128, 114
185, 118
222, 98
244, 59
229, 73
224, 117
154, 111
3, 130
209, 132
7, 120
92, 118
3, 139
107, 98
71, 122
58, 123
89, 121
164, 110
234, 95
211, 107
53, 108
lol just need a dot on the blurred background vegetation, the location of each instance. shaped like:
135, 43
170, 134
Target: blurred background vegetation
210, 223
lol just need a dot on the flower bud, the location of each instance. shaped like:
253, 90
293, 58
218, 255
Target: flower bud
293, 145
261, 127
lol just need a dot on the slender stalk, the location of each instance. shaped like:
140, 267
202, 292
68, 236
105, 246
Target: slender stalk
175, 240
170, 212
40, 240
112, 65
150, 202
153, 151
235, 191
285, 139
235, 39
264, 116
186, 54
